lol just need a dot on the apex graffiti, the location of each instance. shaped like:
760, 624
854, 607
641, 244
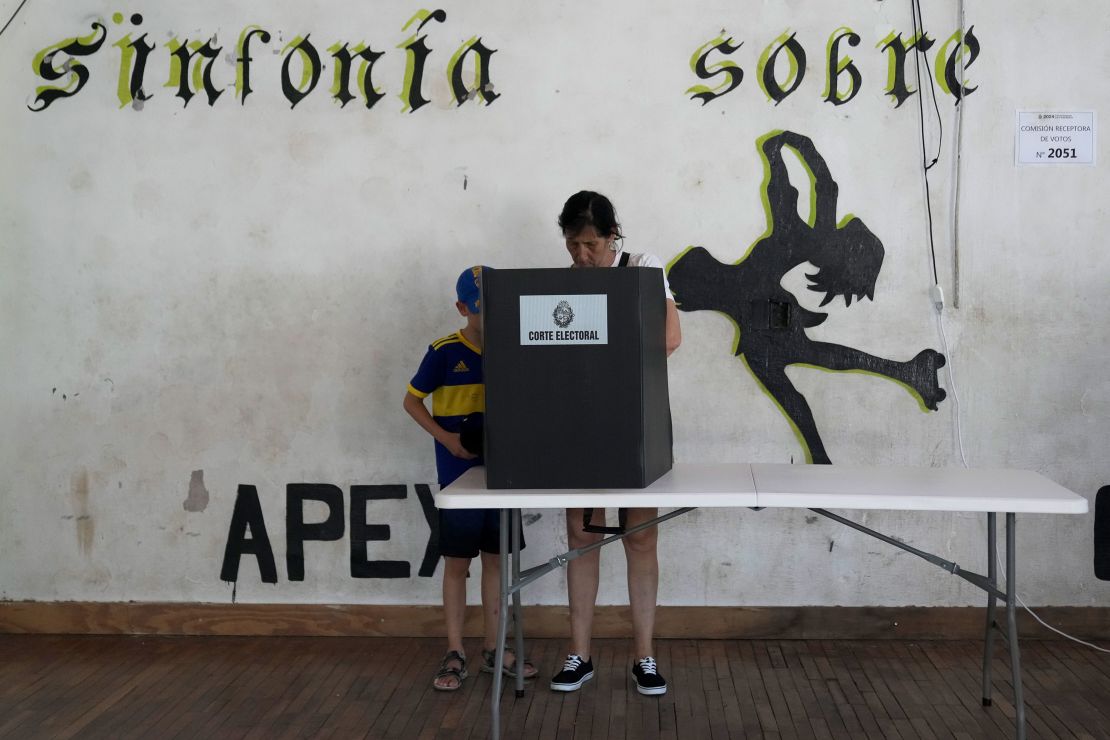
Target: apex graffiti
247, 519
192, 67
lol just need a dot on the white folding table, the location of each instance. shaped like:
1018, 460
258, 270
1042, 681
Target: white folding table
816, 487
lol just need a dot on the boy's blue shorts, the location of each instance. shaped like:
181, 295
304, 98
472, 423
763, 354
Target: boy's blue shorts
463, 533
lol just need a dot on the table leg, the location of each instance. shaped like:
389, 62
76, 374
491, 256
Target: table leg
992, 579
518, 616
1011, 624
502, 626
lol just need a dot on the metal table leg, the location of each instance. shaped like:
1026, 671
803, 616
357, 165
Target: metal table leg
518, 616
1011, 631
992, 578
1011, 624
988, 583
502, 626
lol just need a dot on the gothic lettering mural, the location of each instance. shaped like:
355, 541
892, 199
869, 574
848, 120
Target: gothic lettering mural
782, 66
771, 324
192, 66
76, 73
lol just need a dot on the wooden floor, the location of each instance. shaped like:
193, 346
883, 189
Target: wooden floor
270, 687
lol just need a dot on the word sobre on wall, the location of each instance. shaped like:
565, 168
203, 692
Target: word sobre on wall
783, 64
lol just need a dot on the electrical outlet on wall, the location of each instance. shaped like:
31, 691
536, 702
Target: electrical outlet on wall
937, 296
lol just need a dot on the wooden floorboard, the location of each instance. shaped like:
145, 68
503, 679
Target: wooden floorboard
344, 687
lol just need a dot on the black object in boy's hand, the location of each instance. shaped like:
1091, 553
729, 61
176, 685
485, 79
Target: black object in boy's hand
471, 432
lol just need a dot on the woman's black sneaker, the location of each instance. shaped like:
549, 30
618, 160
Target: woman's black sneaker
648, 680
575, 673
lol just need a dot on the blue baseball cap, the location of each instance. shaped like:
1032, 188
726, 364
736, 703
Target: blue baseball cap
468, 287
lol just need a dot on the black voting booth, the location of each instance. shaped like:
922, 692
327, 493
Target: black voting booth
575, 368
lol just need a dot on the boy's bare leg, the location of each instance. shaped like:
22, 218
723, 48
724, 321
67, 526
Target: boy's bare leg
582, 578
641, 550
491, 598
454, 609
454, 599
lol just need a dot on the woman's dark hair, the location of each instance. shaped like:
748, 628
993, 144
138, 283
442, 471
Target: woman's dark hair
587, 208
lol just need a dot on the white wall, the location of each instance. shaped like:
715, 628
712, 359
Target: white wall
245, 289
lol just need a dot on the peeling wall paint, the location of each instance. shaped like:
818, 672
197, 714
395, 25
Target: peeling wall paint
197, 499
198, 298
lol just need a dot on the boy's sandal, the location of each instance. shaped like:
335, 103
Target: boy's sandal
446, 670
488, 656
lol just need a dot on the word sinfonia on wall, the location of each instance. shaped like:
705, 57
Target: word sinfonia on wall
191, 67
843, 79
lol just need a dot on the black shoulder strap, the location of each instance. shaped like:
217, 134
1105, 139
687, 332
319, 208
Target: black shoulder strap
624, 259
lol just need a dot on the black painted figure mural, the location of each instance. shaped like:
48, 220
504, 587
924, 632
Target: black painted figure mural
772, 325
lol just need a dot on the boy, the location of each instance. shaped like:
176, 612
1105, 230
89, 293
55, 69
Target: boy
451, 373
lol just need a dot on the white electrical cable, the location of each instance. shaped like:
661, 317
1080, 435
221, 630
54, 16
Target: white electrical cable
940, 305
1044, 623
952, 385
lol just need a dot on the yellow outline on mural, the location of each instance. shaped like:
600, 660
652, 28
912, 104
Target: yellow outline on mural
891, 64
714, 68
306, 61
361, 81
791, 77
941, 60
360, 75
36, 62
844, 32
793, 427
455, 60
123, 87
239, 55
410, 57
194, 60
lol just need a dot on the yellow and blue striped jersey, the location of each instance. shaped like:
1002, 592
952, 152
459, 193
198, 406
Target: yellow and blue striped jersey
451, 373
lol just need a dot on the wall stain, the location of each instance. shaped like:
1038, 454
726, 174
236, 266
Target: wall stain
86, 527
80, 180
197, 500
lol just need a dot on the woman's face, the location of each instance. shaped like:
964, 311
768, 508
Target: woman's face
590, 249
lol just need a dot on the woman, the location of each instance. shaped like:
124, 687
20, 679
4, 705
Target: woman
594, 239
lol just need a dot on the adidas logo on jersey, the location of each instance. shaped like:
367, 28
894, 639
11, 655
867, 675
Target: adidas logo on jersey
461, 367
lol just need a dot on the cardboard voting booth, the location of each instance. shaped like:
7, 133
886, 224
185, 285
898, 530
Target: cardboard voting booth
575, 368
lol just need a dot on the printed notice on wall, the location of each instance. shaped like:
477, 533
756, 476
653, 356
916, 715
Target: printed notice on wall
564, 319
1051, 137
